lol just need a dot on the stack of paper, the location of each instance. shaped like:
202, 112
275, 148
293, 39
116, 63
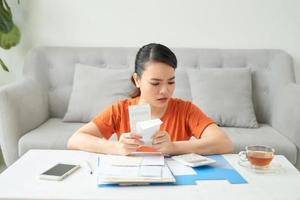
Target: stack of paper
138, 113
141, 123
114, 169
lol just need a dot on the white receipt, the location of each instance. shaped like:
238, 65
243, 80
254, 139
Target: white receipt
138, 113
148, 129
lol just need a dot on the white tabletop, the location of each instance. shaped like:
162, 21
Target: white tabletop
20, 181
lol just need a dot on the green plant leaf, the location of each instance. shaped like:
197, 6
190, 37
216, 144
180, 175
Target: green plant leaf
10, 39
6, 21
4, 67
9, 33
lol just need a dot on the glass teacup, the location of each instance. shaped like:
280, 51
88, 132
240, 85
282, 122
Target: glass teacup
259, 156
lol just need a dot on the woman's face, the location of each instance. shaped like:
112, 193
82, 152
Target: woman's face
157, 84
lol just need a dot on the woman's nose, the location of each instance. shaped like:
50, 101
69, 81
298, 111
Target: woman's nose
163, 89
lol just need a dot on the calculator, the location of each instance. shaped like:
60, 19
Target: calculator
193, 159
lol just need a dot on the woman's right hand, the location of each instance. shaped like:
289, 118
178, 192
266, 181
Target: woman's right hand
128, 143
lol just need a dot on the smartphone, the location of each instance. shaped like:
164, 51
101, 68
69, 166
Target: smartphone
58, 171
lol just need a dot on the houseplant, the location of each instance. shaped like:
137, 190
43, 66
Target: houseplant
9, 32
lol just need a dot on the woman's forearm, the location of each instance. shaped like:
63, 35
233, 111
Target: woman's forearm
213, 141
203, 146
87, 142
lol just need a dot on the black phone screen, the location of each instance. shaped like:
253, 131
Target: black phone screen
59, 169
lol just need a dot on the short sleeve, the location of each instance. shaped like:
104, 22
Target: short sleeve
105, 121
197, 121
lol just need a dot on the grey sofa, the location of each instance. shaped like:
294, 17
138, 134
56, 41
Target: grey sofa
32, 108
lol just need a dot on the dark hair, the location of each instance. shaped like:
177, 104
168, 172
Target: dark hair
152, 53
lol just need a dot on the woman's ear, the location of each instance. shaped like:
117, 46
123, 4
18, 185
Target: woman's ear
136, 80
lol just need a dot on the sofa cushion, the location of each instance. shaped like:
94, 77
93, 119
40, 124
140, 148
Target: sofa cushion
53, 134
182, 89
263, 135
94, 89
225, 95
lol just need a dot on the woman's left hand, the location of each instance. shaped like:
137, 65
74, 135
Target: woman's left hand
162, 142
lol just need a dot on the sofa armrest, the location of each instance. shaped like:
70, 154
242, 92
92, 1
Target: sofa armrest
24, 106
286, 115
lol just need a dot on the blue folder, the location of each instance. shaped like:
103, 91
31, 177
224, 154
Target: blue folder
221, 170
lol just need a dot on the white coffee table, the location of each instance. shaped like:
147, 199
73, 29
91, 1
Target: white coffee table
20, 181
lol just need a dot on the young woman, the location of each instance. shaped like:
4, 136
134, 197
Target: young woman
154, 78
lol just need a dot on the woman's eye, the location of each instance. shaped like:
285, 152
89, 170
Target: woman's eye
155, 84
171, 83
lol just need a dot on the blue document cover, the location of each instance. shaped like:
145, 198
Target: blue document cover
221, 170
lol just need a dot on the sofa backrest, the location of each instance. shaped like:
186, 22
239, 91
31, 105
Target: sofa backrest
53, 68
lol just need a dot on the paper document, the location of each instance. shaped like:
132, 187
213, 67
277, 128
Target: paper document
144, 174
153, 160
138, 113
148, 129
134, 160
117, 160
127, 172
150, 171
179, 169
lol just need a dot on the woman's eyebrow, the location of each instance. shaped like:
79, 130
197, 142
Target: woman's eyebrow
157, 79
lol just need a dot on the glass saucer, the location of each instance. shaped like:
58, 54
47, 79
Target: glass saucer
274, 168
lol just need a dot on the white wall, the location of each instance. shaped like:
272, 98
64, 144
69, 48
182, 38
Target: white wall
176, 23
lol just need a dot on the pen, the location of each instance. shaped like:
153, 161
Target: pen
88, 167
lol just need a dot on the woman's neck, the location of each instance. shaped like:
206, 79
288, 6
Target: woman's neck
158, 112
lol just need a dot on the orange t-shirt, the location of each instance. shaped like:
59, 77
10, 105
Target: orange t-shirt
181, 120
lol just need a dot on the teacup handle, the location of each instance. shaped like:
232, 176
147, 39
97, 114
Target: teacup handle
242, 156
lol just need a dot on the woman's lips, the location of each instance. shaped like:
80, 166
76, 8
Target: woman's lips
163, 100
